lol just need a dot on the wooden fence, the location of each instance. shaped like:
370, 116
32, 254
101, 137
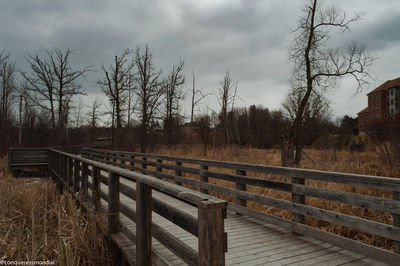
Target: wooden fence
83, 176
383, 194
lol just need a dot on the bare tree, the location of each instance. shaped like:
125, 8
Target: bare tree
117, 83
226, 97
173, 97
197, 97
149, 94
53, 84
93, 116
8, 93
318, 66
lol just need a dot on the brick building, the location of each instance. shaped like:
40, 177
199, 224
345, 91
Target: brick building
382, 101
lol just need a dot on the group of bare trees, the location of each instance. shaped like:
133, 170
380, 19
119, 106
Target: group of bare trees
134, 86
38, 100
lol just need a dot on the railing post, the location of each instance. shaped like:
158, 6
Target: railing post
143, 224
132, 163
159, 168
144, 165
85, 172
70, 174
113, 203
76, 175
59, 172
212, 238
122, 161
114, 160
396, 221
178, 172
203, 177
65, 172
296, 198
96, 188
242, 187
10, 159
49, 163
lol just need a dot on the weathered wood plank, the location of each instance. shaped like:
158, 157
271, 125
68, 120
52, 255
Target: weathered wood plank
361, 248
396, 220
143, 224
211, 229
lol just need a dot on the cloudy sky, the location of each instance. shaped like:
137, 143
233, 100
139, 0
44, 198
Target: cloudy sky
249, 38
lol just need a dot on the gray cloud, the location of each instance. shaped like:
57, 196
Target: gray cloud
248, 38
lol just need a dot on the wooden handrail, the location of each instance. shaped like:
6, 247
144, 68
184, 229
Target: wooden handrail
137, 167
208, 226
297, 186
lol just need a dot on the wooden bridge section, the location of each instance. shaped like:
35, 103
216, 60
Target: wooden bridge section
217, 213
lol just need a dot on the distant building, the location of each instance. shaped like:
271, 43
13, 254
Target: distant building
382, 102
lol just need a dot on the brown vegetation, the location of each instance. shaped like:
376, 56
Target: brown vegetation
328, 160
37, 224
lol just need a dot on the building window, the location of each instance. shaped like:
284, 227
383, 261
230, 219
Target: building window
372, 115
392, 92
377, 97
377, 106
392, 111
370, 98
377, 115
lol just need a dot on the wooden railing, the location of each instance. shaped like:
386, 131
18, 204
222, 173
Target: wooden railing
83, 177
237, 184
27, 156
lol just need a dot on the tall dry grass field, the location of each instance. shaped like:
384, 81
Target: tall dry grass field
37, 224
327, 160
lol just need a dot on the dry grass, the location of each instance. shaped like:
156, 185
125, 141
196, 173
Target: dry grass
327, 160
38, 224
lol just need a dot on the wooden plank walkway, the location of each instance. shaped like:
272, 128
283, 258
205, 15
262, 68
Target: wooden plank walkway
250, 241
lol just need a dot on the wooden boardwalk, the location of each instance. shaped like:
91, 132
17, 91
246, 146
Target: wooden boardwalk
250, 241
153, 219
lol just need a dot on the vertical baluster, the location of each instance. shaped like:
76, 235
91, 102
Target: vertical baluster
396, 221
113, 204
178, 172
84, 181
143, 224
203, 177
159, 168
144, 165
76, 175
96, 188
212, 240
242, 187
300, 199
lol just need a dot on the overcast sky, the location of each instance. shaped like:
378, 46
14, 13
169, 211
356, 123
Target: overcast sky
249, 38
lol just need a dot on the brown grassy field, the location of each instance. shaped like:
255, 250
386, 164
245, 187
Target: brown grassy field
328, 160
37, 224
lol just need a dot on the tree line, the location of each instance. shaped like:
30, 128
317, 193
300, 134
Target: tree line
142, 105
